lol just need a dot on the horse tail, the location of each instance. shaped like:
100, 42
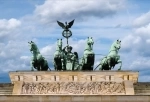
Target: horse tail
49, 68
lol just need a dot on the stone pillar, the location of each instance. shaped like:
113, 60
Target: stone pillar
17, 87
129, 87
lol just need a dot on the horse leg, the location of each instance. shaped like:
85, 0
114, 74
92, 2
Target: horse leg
109, 63
100, 67
32, 65
82, 62
40, 62
46, 65
119, 61
39, 65
55, 66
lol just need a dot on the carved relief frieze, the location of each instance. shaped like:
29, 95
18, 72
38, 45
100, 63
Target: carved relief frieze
109, 88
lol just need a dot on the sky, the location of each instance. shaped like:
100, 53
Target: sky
22, 21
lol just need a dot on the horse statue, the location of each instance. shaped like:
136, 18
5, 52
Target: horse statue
37, 60
87, 61
109, 61
59, 60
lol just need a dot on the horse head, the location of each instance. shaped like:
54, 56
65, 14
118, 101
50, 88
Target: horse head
59, 44
116, 45
33, 47
90, 43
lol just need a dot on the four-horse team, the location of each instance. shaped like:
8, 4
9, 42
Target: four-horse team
65, 59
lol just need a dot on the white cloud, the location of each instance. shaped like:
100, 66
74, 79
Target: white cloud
148, 41
11, 56
127, 42
142, 20
143, 31
138, 40
24, 57
135, 46
140, 63
9, 24
51, 11
12, 45
48, 50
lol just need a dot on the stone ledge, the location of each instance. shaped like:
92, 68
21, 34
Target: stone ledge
74, 98
51, 76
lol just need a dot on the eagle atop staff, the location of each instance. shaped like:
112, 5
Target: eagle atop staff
65, 26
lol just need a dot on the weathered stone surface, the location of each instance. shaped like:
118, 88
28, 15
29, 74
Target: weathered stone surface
74, 82
74, 98
17, 87
140, 88
49, 76
6, 88
83, 88
129, 87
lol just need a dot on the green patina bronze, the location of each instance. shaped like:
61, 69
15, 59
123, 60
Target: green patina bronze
69, 57
66, 32
59, 62
76, 62
109, 62
87, 61
37, 60
64, 59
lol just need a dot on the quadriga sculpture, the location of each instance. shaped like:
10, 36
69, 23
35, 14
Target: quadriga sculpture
88, 58
109, 62
37, 60
59, 62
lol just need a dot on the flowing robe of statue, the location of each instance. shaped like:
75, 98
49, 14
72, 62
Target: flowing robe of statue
69, 59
